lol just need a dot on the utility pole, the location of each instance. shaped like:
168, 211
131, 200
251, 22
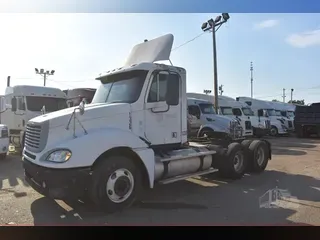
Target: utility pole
284, 95
291, 94
221, 89
44, 73
251, 70
211, 25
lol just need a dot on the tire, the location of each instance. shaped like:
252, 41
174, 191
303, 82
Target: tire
258, 154
103, 189
274, 131
3, 156
206, 131
227, 167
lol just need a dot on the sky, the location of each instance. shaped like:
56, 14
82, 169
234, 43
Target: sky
284, 49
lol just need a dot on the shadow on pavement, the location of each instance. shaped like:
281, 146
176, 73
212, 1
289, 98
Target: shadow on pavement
11, 171
207, 200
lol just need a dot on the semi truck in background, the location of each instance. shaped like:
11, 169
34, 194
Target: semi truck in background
277, 123
24, 102
281, 112
139, 113
205, 121
76, 95
252, 125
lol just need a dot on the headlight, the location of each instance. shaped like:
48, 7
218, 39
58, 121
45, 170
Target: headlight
59, 156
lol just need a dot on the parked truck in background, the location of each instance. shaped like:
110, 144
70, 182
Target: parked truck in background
132, 136
307, 120
205, 121
24, 102
277, 123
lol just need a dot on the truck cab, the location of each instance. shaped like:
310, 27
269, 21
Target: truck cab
206, 121
278, 126
24, 102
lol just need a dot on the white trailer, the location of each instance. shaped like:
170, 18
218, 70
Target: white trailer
278, 126
24, 102
132, 136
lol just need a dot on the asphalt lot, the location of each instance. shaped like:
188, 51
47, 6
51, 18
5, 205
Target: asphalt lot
295, 167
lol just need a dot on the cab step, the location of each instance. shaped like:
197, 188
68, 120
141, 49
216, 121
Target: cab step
185, 176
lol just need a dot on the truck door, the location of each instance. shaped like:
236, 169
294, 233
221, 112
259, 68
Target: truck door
162, 122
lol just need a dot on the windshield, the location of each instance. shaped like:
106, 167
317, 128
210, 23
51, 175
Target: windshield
247, 111
207, 108
271, 112
226, 110
284, 114
278, 113
35, 104
122, 87
290, 114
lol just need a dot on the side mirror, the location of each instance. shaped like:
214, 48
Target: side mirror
173, 90
81, 107
14, 104
260, 113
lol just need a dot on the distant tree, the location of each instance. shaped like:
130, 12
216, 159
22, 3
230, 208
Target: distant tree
275, 100
300, 102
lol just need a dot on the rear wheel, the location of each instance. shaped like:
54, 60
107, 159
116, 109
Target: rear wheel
258, 155
116, 184
233, 163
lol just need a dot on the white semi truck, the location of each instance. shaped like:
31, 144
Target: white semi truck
278, 126
24, 102
132, 136
205, 121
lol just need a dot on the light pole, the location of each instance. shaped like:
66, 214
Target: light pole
211, 25
206, 91
251, 70
291, 93
44, 73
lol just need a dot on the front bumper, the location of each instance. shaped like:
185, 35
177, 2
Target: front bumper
57, 183
261, 131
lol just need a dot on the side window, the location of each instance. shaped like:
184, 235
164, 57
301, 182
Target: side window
236, 112
20, 103
194, 110
158, 89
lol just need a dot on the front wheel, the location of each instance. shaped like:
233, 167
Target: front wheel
206, 132
116, 183
273, 131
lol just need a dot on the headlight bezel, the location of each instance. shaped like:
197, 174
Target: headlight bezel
59, 156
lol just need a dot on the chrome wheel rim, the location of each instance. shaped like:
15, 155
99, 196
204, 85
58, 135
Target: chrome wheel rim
260, 156
120, 185
238, 162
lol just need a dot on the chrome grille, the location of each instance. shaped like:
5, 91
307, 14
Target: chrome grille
33, 136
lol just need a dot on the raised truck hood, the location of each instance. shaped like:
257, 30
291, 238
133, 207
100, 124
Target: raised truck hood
91, 112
